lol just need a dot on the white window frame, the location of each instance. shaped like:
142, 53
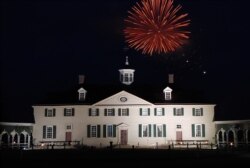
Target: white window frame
81, 96
159, 111
124, 111
145, 130
198, 130
159, 133
179, 112
110, 112
144, 111
68, 112
93, 131
197, 112
93, 112
69, 127
49, 132
168, 96
109, 130
49, 113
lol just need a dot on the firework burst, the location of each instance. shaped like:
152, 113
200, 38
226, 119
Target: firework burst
155, 26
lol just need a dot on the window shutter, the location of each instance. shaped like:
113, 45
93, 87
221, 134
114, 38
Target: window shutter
89, 111
154, 130
193, 111
54, 112
140, 127
98, 131
155, 111
203, 130
163, 111
201, 111
174, 111
164, 130
54, 132
64, 111
113, 112
88, 131
148, 111
128, 111
140, 111
97, 112
119, 112
44, 132
46, 112
193, 130
105, 112
149, 130
182, 111
114, 130
104, 131
73, 111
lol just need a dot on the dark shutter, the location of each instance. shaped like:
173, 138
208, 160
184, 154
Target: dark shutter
203, 130
201, 111
149, 130
148, 111
97, 112
104, 131
64, 111
88, 131
54, 132
174, 111
193, 111
164, 130
140, 111
113, 112
98, 131
154, 130
128, 111
193, 130
114, 130
155, 111
163, 111
46, 112
73, 111
119, 112
54, 112
89, 111
44, 132
105, 112
140, 130
182, 111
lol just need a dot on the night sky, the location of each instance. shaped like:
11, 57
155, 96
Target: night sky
45, 45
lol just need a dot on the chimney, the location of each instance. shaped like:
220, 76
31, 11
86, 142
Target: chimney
81, 79
170, 78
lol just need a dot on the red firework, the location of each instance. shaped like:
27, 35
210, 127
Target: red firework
154, 26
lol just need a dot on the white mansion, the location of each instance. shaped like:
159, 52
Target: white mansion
126, 118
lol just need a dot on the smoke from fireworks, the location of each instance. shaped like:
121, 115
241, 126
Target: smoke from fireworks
155, 26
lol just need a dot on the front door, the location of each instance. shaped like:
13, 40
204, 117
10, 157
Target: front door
178, 136
124, 137
68, 136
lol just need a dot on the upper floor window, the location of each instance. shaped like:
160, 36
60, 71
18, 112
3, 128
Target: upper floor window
144, 111
82, 94
178, 111
159, 111
69, 111
50, 112
167, 93
123, 112
198, 130
93, 112
197, 111
109, 112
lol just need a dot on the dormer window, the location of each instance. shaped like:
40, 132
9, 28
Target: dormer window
167, 93
82, 94
126, 74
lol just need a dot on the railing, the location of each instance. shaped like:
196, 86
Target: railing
57, 144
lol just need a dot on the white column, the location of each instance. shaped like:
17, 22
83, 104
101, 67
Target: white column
28, 141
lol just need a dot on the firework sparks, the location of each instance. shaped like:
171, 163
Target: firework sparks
154, 26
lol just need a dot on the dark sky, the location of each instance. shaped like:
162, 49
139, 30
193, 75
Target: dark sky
45, 45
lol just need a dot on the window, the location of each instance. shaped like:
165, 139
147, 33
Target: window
145, 130
123, 112
167, 93
93, 112
49, 132
93, 131
178, 126
159, 111
197, 111
168, 96
178, 111
198, 130
126, 79
159, 130
68, 127
110, 112
110, 130
144, 111
50, 112
69, 112
81, 96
